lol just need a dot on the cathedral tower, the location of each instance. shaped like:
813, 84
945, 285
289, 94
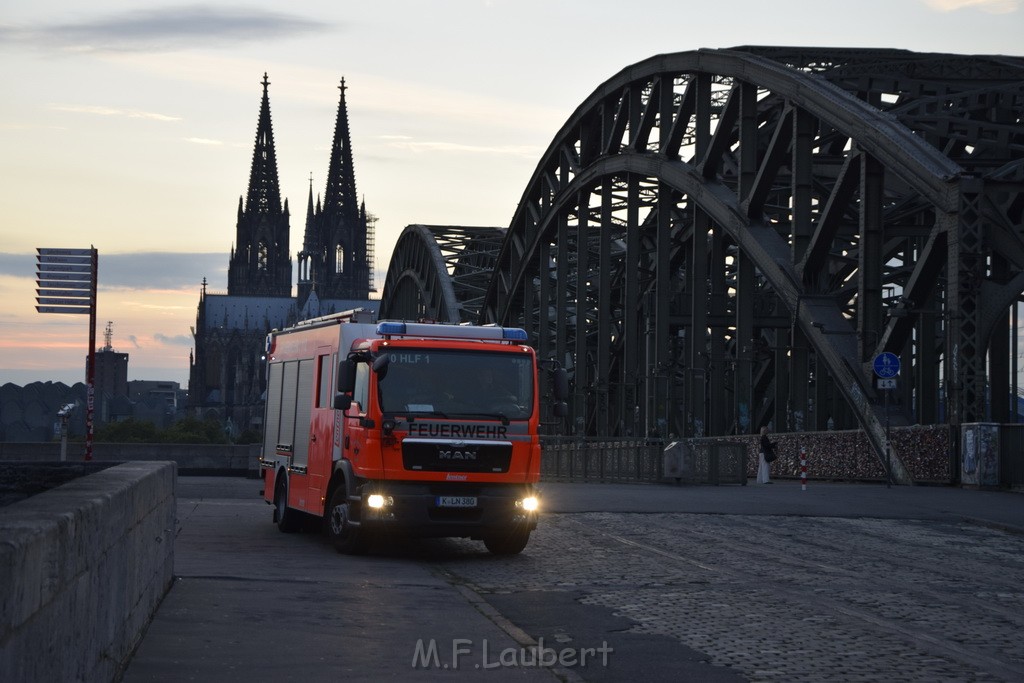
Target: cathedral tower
260, 263
334, 260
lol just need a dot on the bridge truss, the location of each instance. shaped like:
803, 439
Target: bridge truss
440, 273
723, 239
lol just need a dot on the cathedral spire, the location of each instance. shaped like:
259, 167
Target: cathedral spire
310, 257
341, 229
260, 262
340, 196
309, 240
264, 193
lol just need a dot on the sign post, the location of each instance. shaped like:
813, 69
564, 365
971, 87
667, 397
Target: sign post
66, 283
887, 368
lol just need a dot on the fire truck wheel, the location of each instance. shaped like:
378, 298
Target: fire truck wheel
287, 519
347, 539
507, 542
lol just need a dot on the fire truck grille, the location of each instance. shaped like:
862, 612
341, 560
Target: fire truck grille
436, 456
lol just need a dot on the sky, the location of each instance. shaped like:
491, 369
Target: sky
129, 127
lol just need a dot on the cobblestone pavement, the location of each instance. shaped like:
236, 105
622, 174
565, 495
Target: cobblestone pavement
787, 598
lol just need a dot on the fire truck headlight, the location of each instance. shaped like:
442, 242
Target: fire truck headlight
375, 501
530, 503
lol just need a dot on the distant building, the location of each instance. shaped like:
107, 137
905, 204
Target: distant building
111, 382
159, 402
227, 374
111, 372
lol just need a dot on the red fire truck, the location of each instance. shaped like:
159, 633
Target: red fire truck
399, 427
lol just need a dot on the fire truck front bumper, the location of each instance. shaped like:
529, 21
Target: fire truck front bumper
468, 510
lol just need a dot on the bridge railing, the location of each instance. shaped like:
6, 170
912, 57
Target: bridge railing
831, 456
604, 459
704, 461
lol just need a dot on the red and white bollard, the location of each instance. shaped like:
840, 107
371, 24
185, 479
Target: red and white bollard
803, 468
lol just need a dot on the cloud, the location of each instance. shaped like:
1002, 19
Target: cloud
138, 270
990, 6
18, 265
134, 340
164, 29
176, 340
111, 111
203, 141
158, 270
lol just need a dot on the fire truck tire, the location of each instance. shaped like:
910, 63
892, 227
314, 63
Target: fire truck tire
347, 539
507, 542
286, 518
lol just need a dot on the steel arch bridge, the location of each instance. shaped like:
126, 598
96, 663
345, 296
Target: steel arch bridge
723, 239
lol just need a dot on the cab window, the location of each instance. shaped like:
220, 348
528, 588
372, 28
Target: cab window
362, 388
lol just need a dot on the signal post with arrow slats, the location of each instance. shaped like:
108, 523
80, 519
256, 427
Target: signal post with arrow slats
66, 283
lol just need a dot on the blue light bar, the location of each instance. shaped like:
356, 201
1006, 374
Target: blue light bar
390, 328
432, 330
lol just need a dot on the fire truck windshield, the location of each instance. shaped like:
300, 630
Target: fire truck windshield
470, 384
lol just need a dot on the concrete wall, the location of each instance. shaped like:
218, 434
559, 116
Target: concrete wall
83, 568
190, 458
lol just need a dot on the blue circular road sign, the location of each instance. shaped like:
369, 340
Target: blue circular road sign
887, 365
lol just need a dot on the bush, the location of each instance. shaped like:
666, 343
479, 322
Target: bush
129, 431
194, 430
250, 436
187, 430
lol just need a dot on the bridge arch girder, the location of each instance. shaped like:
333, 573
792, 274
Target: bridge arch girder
439, 272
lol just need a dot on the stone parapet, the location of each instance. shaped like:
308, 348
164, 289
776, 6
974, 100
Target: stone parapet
83, 567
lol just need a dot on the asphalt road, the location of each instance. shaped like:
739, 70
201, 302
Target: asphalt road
619, 582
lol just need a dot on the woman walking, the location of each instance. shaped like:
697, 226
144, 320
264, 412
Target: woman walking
766, 453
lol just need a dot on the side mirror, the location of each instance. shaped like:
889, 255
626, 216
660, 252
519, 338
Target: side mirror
380, 365
346, 377
342, 401
560, 408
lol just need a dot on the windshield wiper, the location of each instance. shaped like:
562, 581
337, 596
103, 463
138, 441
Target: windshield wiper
413, 414
501, 416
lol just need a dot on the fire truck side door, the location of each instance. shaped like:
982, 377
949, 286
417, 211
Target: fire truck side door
303, 413
355, 432
321, 424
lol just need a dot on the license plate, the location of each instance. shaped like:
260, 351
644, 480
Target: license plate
456, 501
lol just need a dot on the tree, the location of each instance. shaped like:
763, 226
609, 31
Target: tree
129, 431
194, 430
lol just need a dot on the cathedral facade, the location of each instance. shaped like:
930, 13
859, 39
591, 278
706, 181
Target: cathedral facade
227, 373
